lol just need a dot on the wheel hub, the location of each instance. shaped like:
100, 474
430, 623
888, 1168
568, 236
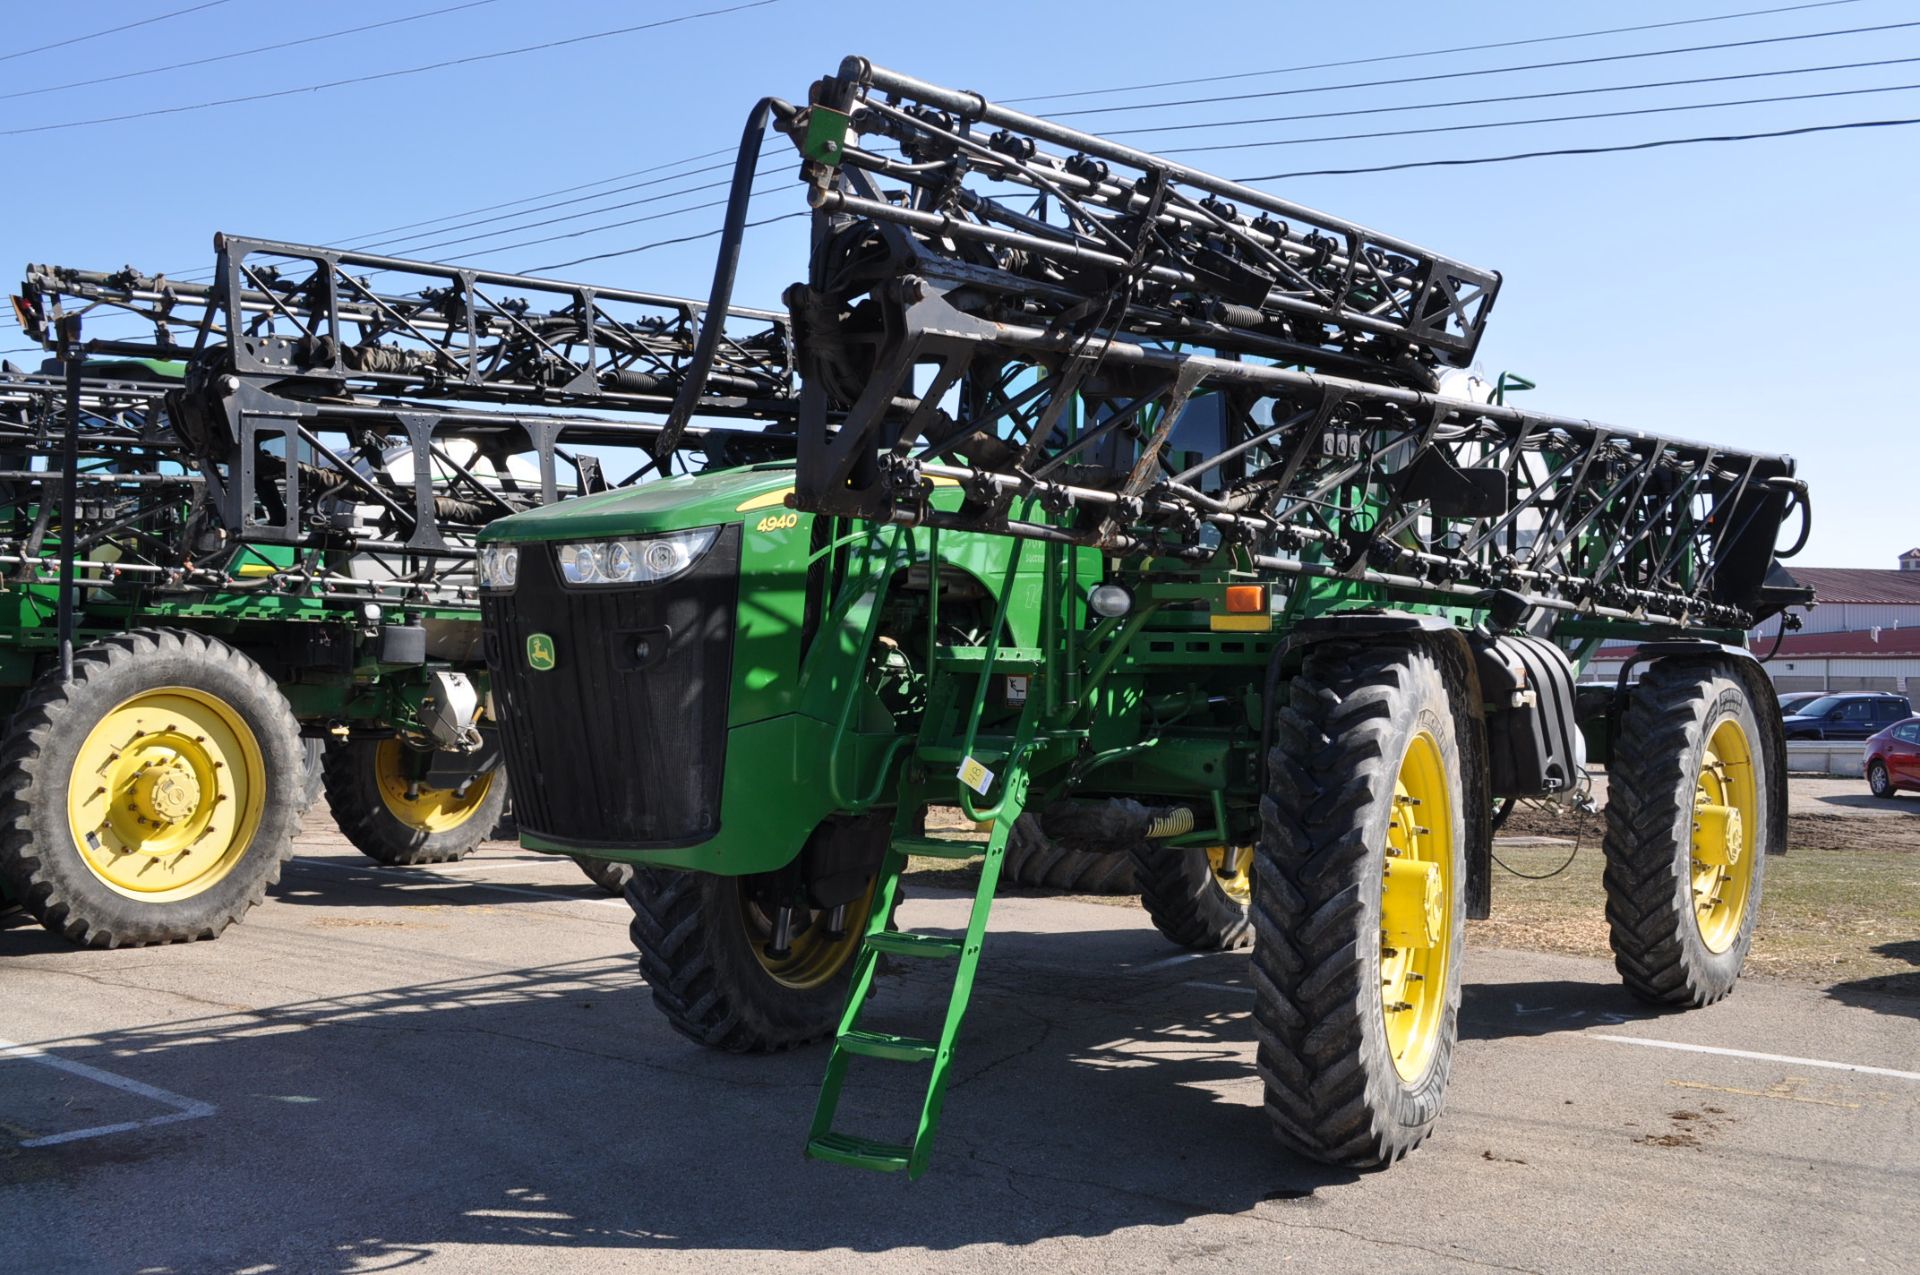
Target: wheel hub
1412, 908
166, 793
1718, 834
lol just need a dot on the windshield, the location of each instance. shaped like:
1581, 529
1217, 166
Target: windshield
1819, 707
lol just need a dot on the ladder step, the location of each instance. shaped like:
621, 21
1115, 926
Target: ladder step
904, 943
893, 1048
1008, 659
939, 847
860, 1153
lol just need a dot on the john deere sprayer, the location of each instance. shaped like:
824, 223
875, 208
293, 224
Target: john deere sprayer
1162, 510
238, 529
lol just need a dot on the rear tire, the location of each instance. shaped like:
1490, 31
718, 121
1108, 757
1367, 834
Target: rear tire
179, 760
1674, 946
1189, 901
1366, 737
366, 790
1033, 860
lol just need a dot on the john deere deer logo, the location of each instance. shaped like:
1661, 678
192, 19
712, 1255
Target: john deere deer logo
540, 651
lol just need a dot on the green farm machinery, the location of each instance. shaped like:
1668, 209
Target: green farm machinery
239, 549
1164, 513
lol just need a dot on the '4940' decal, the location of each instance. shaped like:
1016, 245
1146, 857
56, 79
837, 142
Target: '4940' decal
777, 522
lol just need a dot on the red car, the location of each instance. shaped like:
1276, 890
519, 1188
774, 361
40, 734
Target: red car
1893, 758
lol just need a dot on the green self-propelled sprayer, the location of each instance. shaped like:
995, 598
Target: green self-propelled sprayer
1165, 514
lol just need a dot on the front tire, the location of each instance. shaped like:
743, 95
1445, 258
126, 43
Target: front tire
152, 799
605, 873
1359, 904
1688, 831
702, 945
375, 790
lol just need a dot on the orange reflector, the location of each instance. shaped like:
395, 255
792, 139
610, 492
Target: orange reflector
1246, 599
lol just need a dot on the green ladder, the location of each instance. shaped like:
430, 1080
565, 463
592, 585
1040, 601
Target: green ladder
937, 756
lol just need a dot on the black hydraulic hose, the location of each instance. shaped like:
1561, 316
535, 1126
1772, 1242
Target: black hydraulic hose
714, 322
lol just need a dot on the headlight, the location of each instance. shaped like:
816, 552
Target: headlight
638, 561
499, 566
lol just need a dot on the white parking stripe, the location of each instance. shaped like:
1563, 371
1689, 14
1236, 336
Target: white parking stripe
1789, 1059
183, 1108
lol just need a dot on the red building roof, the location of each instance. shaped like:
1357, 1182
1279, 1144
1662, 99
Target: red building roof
1893, 644
1859, 584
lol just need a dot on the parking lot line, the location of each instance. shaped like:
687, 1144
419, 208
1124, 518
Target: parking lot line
183, 1108
1790, 1059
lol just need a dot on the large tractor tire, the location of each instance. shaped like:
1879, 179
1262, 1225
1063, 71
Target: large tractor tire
1689, 826
704, 950
1359, 907
378, 798
1033, 860
152, 799
605, 873
1199, 897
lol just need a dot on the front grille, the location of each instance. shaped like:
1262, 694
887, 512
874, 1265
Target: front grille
609, 748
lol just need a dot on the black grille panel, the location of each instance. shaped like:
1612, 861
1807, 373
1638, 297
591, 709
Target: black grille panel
614, 746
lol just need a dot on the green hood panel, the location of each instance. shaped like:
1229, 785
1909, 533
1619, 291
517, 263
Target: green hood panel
672, 504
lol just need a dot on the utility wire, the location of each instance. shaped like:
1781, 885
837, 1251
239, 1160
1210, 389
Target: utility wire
1511, 97
388, 75
95, 35
564, 190
1583, 150
612, 225
1492, 70
1544, 119
1424, 53
540, 208
264, 48
662, 243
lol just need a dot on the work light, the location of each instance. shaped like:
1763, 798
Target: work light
647, 560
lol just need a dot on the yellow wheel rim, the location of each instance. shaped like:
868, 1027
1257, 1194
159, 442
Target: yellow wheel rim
1233, 871
1726, 812
416, 804
814, 954
1416, 907
166, 794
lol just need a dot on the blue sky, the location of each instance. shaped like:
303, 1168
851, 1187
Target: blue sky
1758, 294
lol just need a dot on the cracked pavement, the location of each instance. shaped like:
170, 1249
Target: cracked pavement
460, 1069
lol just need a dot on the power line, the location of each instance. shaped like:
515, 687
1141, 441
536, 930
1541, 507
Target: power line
1582, 150
264, 48
1545, 119
585, 212
95, 35
1510, 97
554, 221
1493, 70
613, 225
388, 75
1425, 53
662, 243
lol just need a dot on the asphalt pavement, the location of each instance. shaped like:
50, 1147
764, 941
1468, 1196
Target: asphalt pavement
459, 1069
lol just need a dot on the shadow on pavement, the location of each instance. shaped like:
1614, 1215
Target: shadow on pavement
1897, 994
551, 1106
